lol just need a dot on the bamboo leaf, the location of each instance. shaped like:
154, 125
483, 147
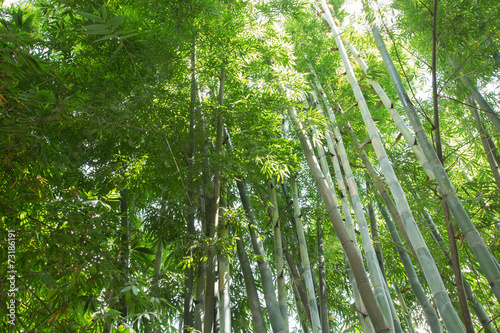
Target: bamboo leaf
91, 17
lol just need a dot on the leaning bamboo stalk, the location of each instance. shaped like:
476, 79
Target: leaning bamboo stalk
350, 248
343, 194
429, 312
371, 259
323, 308
484, 140
487, 262
476, 306
297, 281
304, 256
278, 254
445, 307
266, 275
259, 324
389, 105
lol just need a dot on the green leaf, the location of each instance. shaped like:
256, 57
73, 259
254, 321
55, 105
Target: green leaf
116, 21
135, 290
105, 38
104, 12
91, 17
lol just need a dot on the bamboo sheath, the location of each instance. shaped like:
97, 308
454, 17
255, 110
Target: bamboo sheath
445, 307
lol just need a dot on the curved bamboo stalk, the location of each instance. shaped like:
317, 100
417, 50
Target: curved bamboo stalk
488, 263
349, 246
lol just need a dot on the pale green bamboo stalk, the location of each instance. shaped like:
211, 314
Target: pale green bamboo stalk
345, 205
323, 308
488, 263
371, 259
272, 305
224, 282
380, 257
389, 105
429, 312
259, 324
476, 306
299, 309
350, 248
482, 102
304, 256
484, 140
445, 307
278, 255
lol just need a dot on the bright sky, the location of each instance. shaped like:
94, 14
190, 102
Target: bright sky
7, 3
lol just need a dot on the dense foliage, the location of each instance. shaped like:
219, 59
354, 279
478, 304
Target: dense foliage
111, 143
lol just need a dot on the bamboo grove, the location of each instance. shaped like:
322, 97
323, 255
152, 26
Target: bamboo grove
250, 166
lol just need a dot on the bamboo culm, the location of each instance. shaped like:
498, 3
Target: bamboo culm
487, 262
350, 248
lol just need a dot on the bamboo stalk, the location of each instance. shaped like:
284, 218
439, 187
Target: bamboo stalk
304, 256
349, 246
488, 263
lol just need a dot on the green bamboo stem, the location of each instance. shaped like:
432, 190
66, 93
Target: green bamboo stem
389, 105
224, 282
418, 291
345, 205
323, 308
266, 276
488, 263
350, 248
483, 132
474, 303
304, 256
371, 259
259, 323
445, 307
278, 253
